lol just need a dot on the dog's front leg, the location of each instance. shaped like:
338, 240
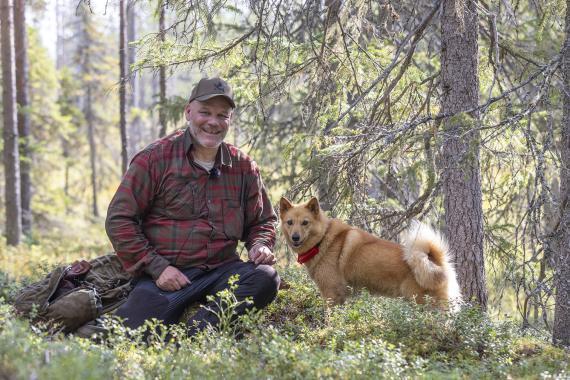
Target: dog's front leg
334, 294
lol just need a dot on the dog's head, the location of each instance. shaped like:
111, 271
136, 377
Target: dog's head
302, 224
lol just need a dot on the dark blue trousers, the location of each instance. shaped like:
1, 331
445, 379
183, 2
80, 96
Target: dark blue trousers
146, 300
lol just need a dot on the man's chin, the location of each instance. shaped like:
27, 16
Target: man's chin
211, 145
208, 143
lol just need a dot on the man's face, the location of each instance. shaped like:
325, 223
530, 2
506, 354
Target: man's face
209, 121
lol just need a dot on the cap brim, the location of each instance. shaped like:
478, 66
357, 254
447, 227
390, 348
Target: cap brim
206, 97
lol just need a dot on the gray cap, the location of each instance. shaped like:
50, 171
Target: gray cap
208, 88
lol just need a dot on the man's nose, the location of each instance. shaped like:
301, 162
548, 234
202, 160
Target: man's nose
295, 237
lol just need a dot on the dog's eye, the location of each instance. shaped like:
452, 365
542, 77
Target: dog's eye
290, 222
305, 222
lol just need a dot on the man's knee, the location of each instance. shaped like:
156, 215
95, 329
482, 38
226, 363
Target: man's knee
265, 283
141, 305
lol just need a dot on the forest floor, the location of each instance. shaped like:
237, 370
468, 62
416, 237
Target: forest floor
297, 337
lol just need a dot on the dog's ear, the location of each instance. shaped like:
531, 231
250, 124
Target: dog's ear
284, 205
314, 206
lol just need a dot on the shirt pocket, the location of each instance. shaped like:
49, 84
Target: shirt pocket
233, 218
180, 201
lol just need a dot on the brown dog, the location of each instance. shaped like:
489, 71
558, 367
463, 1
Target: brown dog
339, 256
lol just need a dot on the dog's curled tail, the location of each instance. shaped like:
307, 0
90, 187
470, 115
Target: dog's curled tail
426, 252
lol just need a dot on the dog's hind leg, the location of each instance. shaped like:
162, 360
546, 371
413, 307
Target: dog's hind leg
412, 290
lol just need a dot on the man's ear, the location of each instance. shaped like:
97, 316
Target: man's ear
314, 206
284, 205
187, 112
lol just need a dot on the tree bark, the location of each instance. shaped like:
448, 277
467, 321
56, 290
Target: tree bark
11, 157
60, 63
122, 83
561, 330
88, 108
133, 101
460, 151
92, 148
24, 129
59, 44
131, 51
326, 181
162, 77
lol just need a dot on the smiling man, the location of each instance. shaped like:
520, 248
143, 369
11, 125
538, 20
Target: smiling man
179, 212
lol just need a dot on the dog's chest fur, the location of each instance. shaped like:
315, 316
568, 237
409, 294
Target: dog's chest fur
329, 262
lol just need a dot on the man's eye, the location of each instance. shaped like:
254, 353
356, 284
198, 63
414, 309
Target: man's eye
290, 222
305, 222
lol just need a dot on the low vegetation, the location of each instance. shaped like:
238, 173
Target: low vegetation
296, 337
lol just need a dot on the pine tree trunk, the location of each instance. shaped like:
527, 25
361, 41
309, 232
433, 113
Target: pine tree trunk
88, 112
561, 331
59, 44
24, 129
134, 128
60, 62
131, 51
326, 181
92, 148
141, 98
11, 157
460, 150
123, 83
162, 77
154, 85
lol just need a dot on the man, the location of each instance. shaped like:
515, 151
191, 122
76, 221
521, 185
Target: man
179, 212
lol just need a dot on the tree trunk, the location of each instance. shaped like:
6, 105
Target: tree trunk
22, 97
561, 331
123, 82
460, 151
59, 44
131, 51
134, 127
162, 77
92, 148
60, 62
326, 188
141, 99
88, 110
11, 156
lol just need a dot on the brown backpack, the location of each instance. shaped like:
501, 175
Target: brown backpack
102, 288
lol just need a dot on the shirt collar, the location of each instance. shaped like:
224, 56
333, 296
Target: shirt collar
222, 158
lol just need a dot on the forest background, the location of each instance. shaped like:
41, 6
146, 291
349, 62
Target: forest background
449, 112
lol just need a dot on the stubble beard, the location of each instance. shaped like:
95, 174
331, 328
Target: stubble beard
195, 131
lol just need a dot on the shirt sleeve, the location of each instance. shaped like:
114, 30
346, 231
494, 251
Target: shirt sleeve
260, 218
132, 200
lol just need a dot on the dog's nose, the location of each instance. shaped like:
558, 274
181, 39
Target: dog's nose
295, 237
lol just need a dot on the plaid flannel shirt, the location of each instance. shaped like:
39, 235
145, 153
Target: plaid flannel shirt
170, 211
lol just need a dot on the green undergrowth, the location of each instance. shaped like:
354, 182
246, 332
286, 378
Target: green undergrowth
296, 337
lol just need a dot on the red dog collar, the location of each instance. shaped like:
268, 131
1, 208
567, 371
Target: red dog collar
306, 256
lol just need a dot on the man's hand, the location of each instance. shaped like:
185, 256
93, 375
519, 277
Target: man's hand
260, 254
172, 279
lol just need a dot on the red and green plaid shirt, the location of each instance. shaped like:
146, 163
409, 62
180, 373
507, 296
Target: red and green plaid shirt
170, 211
